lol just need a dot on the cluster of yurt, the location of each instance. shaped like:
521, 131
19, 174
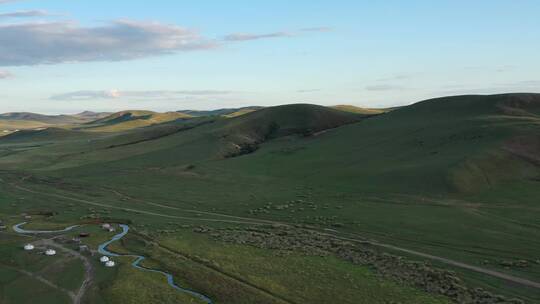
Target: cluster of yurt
48, 252
107, 261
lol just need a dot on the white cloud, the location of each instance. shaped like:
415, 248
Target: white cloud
25, 14
60, 42
137, 95
36, 43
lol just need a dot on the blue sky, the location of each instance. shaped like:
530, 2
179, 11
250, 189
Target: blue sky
65, 56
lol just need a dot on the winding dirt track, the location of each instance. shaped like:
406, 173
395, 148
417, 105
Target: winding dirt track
88, 273
87, 202
251, 221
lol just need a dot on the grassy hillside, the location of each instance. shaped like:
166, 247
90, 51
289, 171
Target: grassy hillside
358, 110
244, 134
240, 112
47, 119
456, 177
126, 120
12, 122
459, 144
89, 115
231, 112
51, 135
10, 126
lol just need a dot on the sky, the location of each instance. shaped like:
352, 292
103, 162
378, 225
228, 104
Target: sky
66, 56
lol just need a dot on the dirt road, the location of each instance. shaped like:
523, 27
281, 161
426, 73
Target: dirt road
88, 273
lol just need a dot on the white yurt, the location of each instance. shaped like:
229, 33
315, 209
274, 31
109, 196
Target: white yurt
104, 259
110, 263
29, 247
50, 252
106, 226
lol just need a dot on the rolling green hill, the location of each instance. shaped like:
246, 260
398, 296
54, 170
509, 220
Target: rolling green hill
359, 110
232, 112
126, 120
455, 177
10, 126
245, 133
82, 117
13, 122
47, 119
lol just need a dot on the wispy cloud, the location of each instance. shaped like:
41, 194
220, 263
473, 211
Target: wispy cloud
35, 43
59, 42
246, 37
5, 74
25, 14
138, 95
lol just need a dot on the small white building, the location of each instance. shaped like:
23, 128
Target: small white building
50, 252
104, 259
29, 247
110, 264
106, 226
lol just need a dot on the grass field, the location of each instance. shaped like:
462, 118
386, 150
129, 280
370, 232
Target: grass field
455, 177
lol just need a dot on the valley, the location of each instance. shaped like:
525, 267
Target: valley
435, 202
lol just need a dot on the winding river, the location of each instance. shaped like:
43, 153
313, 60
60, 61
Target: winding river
102, 249
17, 228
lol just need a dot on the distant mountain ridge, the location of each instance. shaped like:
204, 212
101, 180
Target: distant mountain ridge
53, 119
92, 115
15, 121
129, 119
49, 119
359, 110
221, 112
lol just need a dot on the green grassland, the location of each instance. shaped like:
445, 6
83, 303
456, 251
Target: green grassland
18, 270
259, 276
359, 110
11, 125
455, 177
